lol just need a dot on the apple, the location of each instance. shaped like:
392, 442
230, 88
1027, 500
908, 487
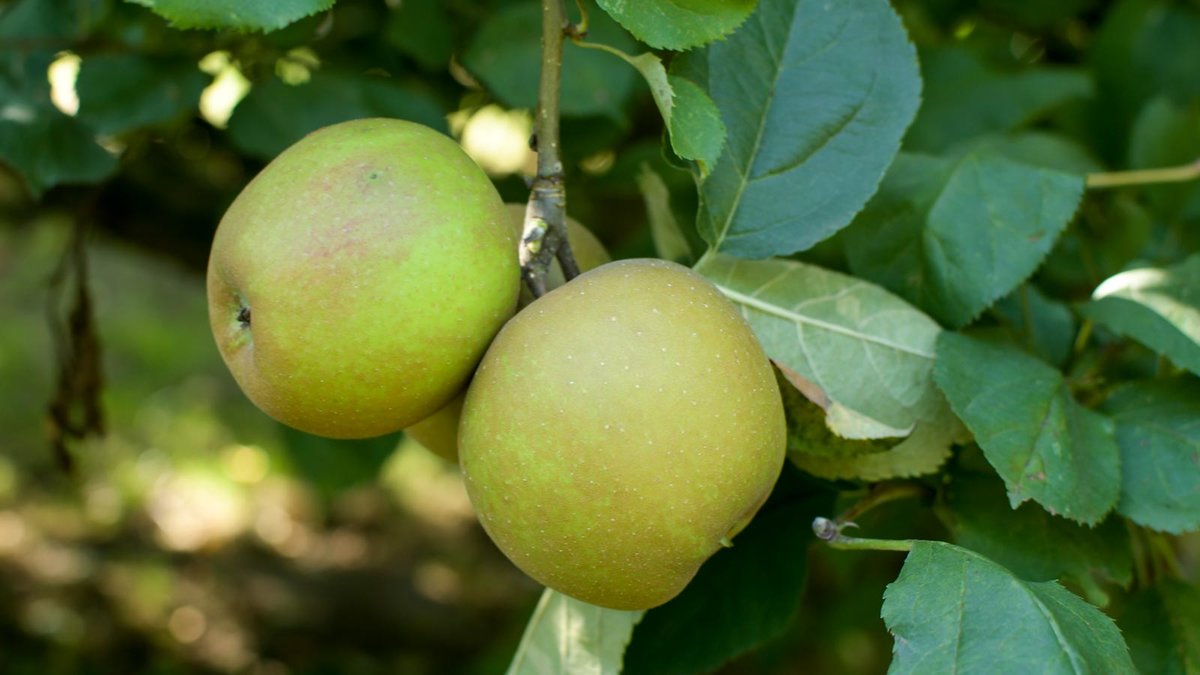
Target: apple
355, 283
439, 432
619, 431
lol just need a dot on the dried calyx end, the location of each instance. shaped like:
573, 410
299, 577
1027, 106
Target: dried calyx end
243, 317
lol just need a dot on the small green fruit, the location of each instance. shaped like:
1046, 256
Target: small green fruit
357, 280
439, 432
618, 430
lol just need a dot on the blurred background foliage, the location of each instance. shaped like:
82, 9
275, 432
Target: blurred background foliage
196, 535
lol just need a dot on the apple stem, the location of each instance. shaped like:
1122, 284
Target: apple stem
544, 239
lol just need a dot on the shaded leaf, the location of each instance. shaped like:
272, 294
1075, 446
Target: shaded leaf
923, 452
1158, 307
48, 148
964, 98
815, 97
248, 15
275, 115
1035, 148
742, 596
952, 236
678, 24
669, 242
119, 92
1158, 430
1031, 543
505, 54
566, 635
1043, 444
953, 610
1167, 134
1162, 626
1044, 326
869, 352
421, 29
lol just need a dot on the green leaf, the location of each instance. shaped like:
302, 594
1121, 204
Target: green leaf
815, 97
1044, 326
924, 452
422, 29
678, 24
669, 242
964, 98
1033, 544
1162, 626
952, 236
566, 635
248, 15
274, 114
1158, 307
741, 597
1043, 444
1035, 148
692, 119
51, 19
868, 353
506, 56
952, 610
1158, 430
1167, 134
119, 92
334, 465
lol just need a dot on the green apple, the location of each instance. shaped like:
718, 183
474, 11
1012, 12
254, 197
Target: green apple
439, 432
355, 283
619, 431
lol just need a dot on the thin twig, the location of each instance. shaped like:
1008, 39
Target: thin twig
1174, 174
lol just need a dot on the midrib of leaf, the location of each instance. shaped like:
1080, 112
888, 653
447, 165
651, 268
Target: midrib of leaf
782, 313
744, 176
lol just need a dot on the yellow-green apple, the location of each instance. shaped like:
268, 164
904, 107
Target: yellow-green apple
355, 283
619, 430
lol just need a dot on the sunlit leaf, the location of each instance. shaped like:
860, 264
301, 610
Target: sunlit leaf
868, 352
566, 635
1157, 307
678, 24
249, 15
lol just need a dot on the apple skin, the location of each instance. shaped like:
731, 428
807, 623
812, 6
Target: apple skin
619, 430
355, 283
438, 433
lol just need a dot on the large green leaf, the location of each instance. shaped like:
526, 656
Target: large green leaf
1158, 430
1157, 307
249, 15
679, 24
422, 29
815, 97
1033, 544
1043, 444
274, 114
964, 98
952, 236
741, 597
868, 353
566, 635
119, 92
1162, 626
506, 56
954, 611
1042, 325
